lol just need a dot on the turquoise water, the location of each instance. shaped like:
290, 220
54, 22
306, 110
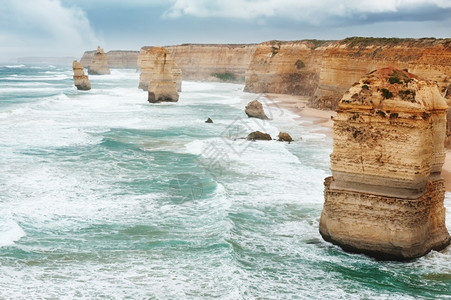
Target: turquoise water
106, 196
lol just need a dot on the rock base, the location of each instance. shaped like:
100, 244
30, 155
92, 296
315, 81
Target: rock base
384, 227
164, 91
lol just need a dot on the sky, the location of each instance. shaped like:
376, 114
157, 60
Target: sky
69, 27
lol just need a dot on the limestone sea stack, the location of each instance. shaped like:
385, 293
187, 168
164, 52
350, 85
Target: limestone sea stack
157, 75
99, 63
148, 64
81, 81
385, 196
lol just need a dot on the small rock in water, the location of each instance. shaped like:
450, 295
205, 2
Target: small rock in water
258, 135
285, 137
209, 121
254, 109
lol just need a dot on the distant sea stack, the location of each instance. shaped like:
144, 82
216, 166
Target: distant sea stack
99, 63
81, 81
158, 75
385, 197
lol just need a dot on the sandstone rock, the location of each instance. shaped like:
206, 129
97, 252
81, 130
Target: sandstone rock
285, 137
81, 81
149, 60
258, 135
385, 196
99, 63
118, 59
157, 75
209, 121
254, 109
200, 62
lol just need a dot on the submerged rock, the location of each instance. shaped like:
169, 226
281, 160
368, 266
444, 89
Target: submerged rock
254, 109
209, 121
81, 81
99, 63
284, 137
385, 196
258, 135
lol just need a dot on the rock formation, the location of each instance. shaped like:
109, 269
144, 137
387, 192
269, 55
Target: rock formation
258, 135
99, 63
157, 75
254, 109
385, 197
81, 81
117, 59
209, 120
284, 137
212, 62
149, 60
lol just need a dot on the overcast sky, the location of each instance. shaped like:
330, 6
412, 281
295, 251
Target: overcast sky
68, 27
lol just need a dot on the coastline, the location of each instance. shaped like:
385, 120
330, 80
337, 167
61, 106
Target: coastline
298, 105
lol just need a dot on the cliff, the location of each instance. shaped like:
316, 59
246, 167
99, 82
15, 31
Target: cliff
81, 81
324, 70
99, 63
117, 59
212, 62
385, 196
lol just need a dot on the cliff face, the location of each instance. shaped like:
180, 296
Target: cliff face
212, 62
81, 81
116, 59
99, 63
325, 70
284, 68
385, 197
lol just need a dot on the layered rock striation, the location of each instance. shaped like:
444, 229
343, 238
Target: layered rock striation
81, 81
385, 196
99, 63
149, 62
117, 59
158, 75
212, 62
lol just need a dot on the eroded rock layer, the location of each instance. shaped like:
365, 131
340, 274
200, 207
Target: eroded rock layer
385, 196
81, 81
99, 63
149, 62
158, 75
117, 59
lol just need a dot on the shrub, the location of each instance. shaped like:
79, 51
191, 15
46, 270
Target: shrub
224, 76
386, 93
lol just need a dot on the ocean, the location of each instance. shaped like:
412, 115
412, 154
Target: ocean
105, 196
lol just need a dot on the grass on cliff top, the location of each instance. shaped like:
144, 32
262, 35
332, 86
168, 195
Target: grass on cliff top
369, 41
228, 77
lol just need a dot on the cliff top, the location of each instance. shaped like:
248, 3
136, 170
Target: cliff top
393, 90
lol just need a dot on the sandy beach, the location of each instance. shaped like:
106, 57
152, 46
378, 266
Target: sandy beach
298, 105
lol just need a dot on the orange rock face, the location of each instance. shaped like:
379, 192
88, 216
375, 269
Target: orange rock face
385, 197
159, 74
212, 62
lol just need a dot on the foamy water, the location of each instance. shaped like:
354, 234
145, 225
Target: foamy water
107, 196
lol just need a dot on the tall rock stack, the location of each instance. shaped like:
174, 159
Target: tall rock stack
81, 81
147, 62
385, 197
99, 63
158, 75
